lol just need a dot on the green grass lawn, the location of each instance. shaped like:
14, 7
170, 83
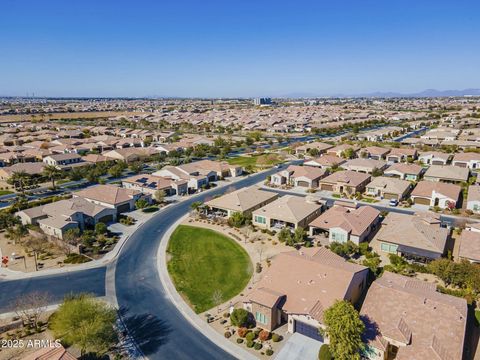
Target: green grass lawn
5, 192
203, 261
262, 160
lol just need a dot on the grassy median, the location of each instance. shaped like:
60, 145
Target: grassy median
203, 262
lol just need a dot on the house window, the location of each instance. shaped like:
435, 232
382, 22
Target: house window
260, 219
261, 318
339, 237
476, 207
390, 248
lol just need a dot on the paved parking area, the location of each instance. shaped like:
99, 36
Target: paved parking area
299, 347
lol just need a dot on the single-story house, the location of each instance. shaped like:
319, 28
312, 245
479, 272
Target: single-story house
149, 184
339, 150
401, 155
62, 160
366, 166
389, 187
111, 196
473, 198
345, 181
195, 181
304, 176
56, 218
319, 147
409, 318
300, 285
346, 224
447, 174
375, 152
31, 168
325, 161
416, 237
434, 158
244, 201
469, 160
410, 172
287, 211
130, 154
469, 248
436, 194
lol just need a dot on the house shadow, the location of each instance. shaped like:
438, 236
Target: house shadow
371, 329
149, 332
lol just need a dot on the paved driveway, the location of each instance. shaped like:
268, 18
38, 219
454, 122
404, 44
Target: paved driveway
299, 347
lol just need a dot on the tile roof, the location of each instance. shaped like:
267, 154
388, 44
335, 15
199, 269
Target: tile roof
410, 311
289, 208
425, 189
242, 200
470, 245
351, 178
109, 194
448, 172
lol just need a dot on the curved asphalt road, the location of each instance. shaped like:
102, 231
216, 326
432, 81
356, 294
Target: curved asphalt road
151, 318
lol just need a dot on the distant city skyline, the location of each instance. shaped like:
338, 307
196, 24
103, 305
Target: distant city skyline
215, 49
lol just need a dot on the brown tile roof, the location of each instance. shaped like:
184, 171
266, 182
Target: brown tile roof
50, 354
390, 184
405, 168
242, 200
466, 156
109, 194
469, 245
327, 160
425, 189
351, 178
355, 221
289, 208
410, 311
311, 280
449, 172
309, 172
473, 193
413, 231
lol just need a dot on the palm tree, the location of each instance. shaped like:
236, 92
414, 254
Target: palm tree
19, 180
51, 172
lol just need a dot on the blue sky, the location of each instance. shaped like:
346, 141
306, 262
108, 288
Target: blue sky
236, 48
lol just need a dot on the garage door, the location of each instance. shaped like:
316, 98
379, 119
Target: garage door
123, 208
436, 162
327, 187
459, 164
421, 201
106, 219
390, 196
308, 330
302, 183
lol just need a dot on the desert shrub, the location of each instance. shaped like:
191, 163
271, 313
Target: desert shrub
250, 336
269, 352
258, 346
242, 332
264, 335
276, 337
239, 317
239, 340
227, 334
324, 353
250, 344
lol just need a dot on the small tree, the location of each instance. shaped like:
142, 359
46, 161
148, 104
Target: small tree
159, 196
284, 235
51, 172
344, 328
141, 203
30, 307
101, 228
236, 220
86, 323
239, 317
71, 238
324, 353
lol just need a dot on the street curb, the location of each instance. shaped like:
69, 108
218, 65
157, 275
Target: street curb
182, 306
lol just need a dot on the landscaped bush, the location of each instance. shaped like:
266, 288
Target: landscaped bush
257, 346
227, 334
250, 336
264, 335
150, 209
239, 340
269, 352
324, 353
74, 258
226, 315
276, 337
242, 332
250, 344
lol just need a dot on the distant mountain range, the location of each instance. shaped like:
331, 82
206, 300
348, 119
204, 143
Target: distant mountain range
380, 94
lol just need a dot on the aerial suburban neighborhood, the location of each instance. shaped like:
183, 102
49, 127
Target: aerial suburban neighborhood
252, 180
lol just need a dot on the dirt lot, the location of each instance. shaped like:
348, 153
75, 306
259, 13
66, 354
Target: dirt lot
73, 115
53, 257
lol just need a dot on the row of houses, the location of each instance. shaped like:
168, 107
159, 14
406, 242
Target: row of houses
403, 316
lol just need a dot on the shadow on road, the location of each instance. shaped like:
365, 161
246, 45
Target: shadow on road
149, 332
